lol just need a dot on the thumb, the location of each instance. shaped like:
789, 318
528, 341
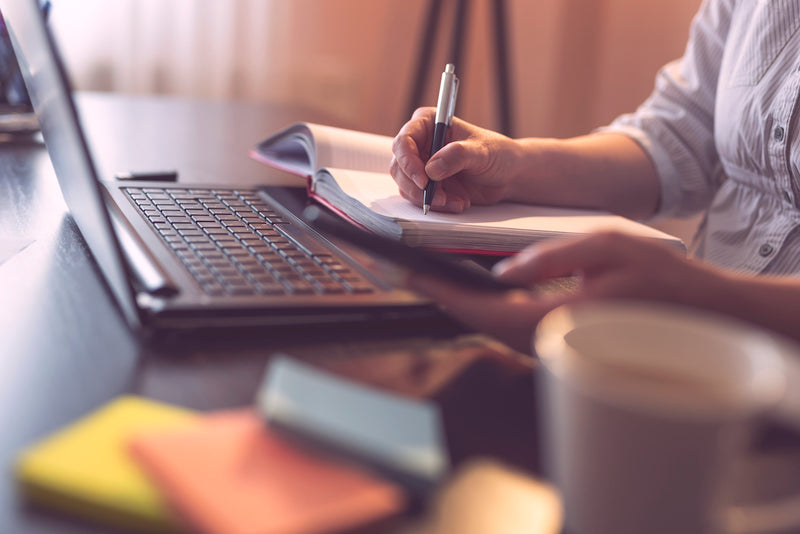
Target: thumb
558, 257
451, 159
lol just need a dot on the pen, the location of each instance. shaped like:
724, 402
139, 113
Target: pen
445, 107
159, 176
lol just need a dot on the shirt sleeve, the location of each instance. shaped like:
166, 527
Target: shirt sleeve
675, 125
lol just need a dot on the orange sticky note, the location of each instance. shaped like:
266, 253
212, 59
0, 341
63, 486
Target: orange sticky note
229, 474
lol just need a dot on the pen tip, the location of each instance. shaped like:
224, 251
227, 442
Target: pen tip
425, 209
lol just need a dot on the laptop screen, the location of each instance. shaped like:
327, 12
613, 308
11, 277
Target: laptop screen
50, 93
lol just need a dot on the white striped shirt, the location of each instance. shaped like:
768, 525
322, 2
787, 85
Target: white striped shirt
721, 128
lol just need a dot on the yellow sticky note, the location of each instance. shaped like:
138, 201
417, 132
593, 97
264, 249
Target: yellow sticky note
85, 469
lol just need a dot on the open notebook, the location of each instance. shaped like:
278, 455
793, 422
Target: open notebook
348, 172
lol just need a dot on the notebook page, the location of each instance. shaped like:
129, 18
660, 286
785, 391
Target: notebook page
348, 149
378, 192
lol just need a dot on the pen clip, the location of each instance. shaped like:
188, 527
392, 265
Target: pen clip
451, 104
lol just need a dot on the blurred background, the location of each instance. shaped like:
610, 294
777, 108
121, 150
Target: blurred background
574, 64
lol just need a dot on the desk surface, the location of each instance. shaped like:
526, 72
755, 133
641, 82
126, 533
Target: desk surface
64, 348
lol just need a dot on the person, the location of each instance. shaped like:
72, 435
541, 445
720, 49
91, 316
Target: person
718, 133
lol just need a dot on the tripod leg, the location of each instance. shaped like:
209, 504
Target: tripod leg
424, 55
503, 82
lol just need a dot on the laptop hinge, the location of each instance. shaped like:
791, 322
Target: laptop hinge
150, 276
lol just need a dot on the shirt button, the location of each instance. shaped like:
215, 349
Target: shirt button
778, 133
765, 250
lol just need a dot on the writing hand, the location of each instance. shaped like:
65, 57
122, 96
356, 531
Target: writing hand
472, 168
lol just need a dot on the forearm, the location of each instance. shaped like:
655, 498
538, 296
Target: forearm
772, 302
604, 171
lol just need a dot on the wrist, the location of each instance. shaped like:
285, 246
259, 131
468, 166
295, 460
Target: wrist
707, 286
530, 169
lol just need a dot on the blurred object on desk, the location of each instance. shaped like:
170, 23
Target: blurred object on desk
488, 496
648, 410
228, 474
84, 470
15, 122
484, 389
16, 113
398, 437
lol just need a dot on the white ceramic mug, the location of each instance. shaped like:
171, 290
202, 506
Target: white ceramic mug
646, 409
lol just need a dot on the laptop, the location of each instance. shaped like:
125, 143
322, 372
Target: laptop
183, 256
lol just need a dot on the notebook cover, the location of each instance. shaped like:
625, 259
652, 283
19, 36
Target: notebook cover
230, 474
86, 469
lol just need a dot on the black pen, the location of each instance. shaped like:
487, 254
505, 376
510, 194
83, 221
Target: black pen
157, 176
445, 108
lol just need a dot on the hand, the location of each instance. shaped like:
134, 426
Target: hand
509, 316
473, 168
613, 265
608, 265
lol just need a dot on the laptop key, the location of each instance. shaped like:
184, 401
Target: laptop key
301, 287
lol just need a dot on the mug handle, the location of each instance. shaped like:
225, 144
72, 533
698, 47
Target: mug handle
781, 515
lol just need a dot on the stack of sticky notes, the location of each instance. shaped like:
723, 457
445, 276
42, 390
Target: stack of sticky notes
230, 474
86, 469
147, 466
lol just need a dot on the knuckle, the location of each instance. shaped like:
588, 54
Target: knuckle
403, 162
398, 143
610, 238
423, 112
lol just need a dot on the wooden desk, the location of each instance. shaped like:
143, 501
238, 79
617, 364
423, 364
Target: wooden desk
65, 350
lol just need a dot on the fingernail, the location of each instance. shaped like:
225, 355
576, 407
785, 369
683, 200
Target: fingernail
502, 266
508, 264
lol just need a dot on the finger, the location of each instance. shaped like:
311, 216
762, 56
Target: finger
454, 199
409, 146
465, 155
560, 257
409, 191
426, 113
614, 284
409, 160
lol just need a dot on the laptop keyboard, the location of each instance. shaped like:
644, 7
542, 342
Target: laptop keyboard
233, 243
